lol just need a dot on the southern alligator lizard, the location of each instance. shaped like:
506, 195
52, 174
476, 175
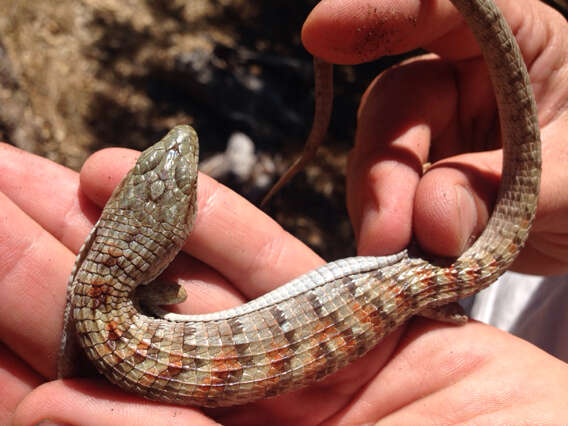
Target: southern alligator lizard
308, 328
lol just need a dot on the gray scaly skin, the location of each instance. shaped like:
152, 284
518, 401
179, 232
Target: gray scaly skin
308, 328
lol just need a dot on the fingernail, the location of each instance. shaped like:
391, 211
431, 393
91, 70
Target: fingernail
467, 216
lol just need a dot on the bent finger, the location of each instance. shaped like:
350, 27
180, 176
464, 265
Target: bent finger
401, 113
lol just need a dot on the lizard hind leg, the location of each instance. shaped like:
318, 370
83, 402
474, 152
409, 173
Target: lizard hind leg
451, 313
148, 298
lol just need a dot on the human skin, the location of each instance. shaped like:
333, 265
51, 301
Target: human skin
425, 372
440, 109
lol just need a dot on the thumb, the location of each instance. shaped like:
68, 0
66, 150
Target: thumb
408, 115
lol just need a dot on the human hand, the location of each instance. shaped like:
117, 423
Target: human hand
45, 224
441, 109
46, 216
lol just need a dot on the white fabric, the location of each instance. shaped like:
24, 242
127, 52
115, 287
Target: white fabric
531, 307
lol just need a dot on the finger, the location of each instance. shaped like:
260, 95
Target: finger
355, 31
94, 403
230, 234
48, 193
17, 381
453, 202
34, 268
400, 114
